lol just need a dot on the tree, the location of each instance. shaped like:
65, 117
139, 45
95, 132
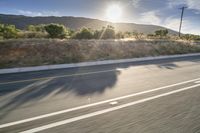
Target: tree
84, 33
56, 30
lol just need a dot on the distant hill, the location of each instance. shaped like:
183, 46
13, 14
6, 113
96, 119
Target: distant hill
76, 23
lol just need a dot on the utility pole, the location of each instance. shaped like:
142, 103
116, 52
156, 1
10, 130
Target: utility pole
182, 8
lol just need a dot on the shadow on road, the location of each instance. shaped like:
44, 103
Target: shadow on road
78, 85
14, 96
168, 66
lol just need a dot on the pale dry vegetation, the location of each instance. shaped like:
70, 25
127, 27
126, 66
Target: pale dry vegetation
32, 52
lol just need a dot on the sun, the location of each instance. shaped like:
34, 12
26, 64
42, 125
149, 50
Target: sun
113, 13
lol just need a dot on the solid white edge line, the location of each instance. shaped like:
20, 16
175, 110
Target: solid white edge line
197, 82
90, 105
59, 123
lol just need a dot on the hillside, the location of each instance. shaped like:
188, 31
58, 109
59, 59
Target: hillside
76, 23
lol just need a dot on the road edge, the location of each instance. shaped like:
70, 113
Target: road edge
93, 63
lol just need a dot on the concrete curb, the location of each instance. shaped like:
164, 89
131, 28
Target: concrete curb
83, 64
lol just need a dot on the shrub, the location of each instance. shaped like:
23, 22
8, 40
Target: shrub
84, 33
119, 35
97, 34
36, 28
138, 35
56, 30
190, 37
31, 34
71, 32
128, 34
161, 32
108, 32
8, 31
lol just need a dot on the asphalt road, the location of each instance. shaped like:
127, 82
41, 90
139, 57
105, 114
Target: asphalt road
160, 96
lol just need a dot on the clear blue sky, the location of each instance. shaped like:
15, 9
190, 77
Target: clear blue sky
157, 12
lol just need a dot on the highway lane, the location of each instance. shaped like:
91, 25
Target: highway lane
101, 109
177, 113
26, 99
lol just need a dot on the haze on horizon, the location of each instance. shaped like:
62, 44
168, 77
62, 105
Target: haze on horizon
156, 12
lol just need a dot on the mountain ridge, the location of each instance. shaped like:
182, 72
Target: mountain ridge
75, 23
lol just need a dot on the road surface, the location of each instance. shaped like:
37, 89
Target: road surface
158, 96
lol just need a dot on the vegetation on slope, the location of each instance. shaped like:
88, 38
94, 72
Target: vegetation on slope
56, 44
62, 32
33, 52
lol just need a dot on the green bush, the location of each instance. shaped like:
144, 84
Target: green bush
161, 32
71, 32
36, 28
84, 33
105, 33
8, 31
56, 30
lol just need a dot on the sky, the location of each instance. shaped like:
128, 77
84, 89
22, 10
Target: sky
157, 12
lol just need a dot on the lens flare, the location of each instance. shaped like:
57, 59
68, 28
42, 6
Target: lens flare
113, 13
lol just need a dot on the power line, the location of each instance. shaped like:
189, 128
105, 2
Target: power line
182, 8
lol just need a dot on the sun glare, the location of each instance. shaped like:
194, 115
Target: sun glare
113, 13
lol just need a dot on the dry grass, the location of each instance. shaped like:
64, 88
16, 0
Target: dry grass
33, 52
